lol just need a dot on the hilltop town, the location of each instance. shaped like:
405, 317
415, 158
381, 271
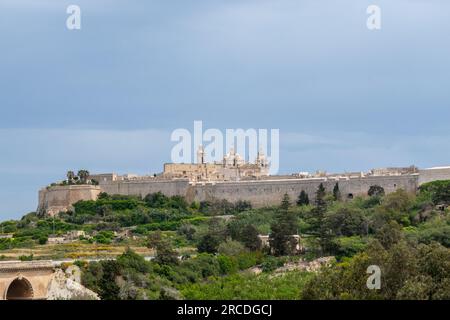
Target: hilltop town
233, 179
197, 231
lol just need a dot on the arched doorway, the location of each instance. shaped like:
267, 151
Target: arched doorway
19, 289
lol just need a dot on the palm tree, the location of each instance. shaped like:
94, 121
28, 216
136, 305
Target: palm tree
70, 176
83, 174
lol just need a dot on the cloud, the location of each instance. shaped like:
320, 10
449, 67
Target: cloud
30, 150
33, 158
340, 151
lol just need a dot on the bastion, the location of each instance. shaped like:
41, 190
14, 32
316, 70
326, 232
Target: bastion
55, 199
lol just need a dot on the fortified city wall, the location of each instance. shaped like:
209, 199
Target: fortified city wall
433, 174
259, 192
268, 193
265, 191
54, 199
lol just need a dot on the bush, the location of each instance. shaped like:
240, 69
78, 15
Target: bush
438, 191
104, 237
349, 246
271, 263
227, 264
376, 191
43, 240
208, 243
26, 258
231, 248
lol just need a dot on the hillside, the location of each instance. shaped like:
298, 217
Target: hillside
209, 250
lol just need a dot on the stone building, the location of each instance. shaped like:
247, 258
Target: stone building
234, 180
265, 241
231, 168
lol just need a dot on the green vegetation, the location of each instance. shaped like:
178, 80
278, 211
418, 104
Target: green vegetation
282, 228
131, 277
213, 250
437, 191
407, 272
82, 177
250, 287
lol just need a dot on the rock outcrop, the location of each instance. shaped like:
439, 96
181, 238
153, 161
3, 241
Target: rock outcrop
66, 286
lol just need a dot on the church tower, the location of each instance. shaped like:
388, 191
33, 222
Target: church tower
201, 155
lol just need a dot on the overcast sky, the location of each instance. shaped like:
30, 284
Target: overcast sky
107, 97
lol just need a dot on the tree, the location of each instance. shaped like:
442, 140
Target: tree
389, 234
43, 239
165, 254
70, 177
242, 205
320, 202
303, 199
325, 234
285, 203
83, 175
282, 229
104, 210
231, 248
156, 200
109, 290
407, 272
249, 237
215, 235
208, 243
347, 222
376, 191
437, 191
187, 230
336, 192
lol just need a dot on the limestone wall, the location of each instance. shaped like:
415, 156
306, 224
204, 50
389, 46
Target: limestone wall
433, 174
54, 199
143, 187
267, 193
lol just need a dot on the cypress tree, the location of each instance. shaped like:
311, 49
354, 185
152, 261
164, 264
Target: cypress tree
320, 198
336, 192
282, 229
303, 199
325, 238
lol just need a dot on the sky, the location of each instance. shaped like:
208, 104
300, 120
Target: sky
107, 97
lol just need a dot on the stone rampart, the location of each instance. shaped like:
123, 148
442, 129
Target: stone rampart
433, 174
54, 199
264, 192
267, 193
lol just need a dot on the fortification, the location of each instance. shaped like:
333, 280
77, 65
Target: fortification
433, 174
259, 190
54, 199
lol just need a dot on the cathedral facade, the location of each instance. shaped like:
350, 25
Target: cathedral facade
231, 168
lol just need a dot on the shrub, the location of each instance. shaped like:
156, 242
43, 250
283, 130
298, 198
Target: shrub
42, 240
227, 264
231, 248
438, 191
